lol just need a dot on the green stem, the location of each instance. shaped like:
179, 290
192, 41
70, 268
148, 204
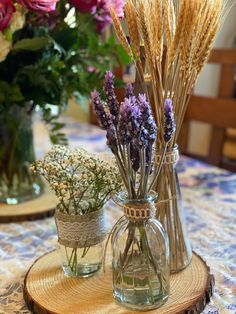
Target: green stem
145, 251
85, 251
11, 158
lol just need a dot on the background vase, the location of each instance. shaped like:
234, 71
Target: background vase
170, 212
81, 239
17, 182
140, 262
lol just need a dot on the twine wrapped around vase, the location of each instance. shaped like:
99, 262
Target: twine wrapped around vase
171, 157
170, 211
137, 212
79, 231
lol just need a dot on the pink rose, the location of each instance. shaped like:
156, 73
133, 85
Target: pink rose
39, 5
84, 5
6, 10
102, 12
117, 5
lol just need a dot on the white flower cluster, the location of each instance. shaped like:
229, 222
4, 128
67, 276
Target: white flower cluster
82, 181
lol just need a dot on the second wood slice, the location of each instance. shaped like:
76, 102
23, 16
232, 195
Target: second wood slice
38, 208
47, 290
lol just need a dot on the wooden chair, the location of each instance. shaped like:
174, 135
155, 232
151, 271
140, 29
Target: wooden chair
219, 112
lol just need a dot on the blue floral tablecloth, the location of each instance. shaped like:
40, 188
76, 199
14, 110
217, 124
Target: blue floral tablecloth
209, 196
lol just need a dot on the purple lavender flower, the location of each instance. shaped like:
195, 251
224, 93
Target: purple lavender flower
147, 118
143, 138
111, 139
103, 117
134, 155
129, 124
169, 121
112, 101
129, 91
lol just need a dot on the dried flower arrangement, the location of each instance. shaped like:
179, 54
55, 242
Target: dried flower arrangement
169, 42
83, 183
140, 276
131, 134
176, 37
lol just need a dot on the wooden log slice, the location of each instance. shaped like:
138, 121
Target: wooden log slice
47, 290
38, 208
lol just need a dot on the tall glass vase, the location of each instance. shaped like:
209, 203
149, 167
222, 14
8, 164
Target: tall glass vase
140, 262
170, 212
17, 182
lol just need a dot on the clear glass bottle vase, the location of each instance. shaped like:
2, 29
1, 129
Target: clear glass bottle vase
140, 258
170, 212
17, 182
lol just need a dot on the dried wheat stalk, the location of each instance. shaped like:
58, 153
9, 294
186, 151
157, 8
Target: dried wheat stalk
132, 23
120, 33
177, 37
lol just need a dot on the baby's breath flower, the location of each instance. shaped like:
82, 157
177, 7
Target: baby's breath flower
81, 181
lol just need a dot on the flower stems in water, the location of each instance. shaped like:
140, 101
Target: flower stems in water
73, 259
137, 252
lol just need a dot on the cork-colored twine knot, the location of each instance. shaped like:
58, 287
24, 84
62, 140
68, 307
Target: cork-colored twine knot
170, 158
139, 211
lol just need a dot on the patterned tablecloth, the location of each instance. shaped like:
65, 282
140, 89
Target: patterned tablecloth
209, 196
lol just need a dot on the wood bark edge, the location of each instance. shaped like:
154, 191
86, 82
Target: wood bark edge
205, 297
27, 217
34, 306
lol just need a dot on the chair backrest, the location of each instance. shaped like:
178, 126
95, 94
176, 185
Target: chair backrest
220, 112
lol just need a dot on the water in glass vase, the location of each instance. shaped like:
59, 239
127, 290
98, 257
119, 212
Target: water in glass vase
81, 262
17, 182
140, 271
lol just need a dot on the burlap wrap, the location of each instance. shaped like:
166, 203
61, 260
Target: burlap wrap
79, 231
171, 157
138, 212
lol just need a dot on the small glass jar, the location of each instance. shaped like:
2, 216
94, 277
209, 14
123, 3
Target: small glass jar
81, 239
140, 257
81, 262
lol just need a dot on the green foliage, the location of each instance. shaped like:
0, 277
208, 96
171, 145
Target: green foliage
32, 44
10, 94
50, 63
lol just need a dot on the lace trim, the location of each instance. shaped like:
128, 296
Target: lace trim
81, 231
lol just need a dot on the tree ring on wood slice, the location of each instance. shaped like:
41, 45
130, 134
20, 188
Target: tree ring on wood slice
41, 207
48, 290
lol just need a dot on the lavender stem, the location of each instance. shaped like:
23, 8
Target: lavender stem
159, 168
